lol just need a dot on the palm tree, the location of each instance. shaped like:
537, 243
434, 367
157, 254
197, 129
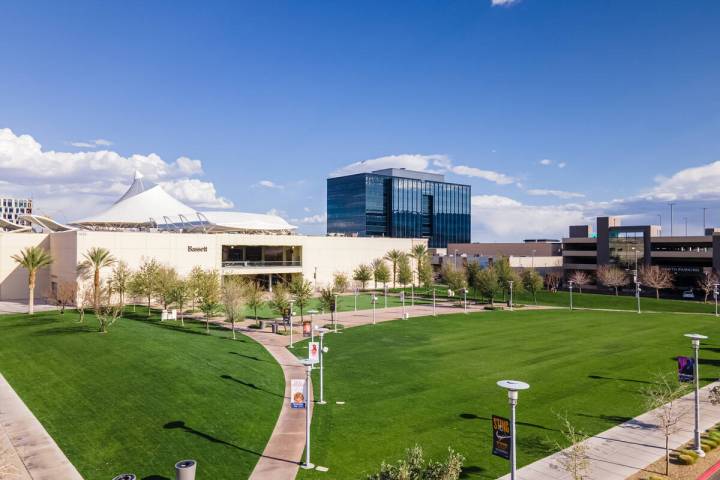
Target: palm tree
419, 253
32, 259
394, 256
96, 259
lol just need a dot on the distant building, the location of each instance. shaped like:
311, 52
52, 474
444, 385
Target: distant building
630, 247
544, 255
12, 208
399, 203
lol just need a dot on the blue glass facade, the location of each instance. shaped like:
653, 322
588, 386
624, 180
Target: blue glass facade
376, 205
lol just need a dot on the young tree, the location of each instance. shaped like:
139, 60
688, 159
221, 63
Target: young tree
662, 398
552, 281
455, 278
84, 298
363, 274
580, 278
327, 302
425, 275
66, 294
194, 280
487, 283
254, 297
119, 280
233, 300
209, 295
302, 291
612, 277
144, 282
573, 457
340, 282
505, 274
420, 254
32, 259
165, 280
94, 261
655, 277
532, 281
405, 274
106, 311
473, 271
280, 300
393, 256
381, 272
415, 467
180, 296
707, 284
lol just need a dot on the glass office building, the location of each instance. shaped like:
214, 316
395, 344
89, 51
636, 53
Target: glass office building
399, 203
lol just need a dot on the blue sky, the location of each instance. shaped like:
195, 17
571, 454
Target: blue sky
263, 100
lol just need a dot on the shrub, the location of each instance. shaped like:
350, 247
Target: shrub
686, 459
491, 307
415, 467
685, 451
705, 447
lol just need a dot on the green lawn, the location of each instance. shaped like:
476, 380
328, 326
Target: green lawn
145, 395
432, 381
594, 300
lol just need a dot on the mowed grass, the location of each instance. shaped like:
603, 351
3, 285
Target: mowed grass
144, 395
432, 381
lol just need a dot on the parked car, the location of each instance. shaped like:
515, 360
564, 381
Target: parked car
689, 294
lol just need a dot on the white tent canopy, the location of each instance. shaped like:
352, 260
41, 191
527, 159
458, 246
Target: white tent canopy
149, 205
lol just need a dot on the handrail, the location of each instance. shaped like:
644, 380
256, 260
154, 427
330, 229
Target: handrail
262, 263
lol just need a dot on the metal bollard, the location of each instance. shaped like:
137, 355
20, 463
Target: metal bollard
125, 476
185, 470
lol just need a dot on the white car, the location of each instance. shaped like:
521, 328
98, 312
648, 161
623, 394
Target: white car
688, 294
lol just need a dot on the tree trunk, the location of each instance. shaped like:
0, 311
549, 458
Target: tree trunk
207, 323
31, 300
96, 289
616, 291
657, 294
233, 328
667, 456
148, 305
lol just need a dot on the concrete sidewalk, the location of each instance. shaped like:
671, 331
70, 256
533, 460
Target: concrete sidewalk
31, 452
621, 451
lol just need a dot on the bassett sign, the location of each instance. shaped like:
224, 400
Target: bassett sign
197, 249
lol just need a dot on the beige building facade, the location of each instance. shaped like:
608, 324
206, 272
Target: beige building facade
269, 258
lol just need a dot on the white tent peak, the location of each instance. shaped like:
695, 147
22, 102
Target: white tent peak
137, 186
138, 175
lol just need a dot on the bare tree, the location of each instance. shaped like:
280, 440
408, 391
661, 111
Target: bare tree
552, 281
573, 457
612, 277
66, 294
707, 284
107, 311
655, 277
662, 399
84, 298
580, 278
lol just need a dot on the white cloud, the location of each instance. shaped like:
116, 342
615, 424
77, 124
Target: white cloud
503, 3
77, 184
269, 184
100, 142
546, 162
196, 193
311, 220
82, 144
562, 164
688, 184
306, 209
436, 163
554, 193
501, 218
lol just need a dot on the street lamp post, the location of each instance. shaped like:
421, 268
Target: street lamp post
374, 302
637, 294
356, 295
291, 325
570, 285
402, 297
696, 337
312, 323
455, 258
511, 294
307, 465
465, 300
412, 295
322, 332
513, 387
385, 294
715, 296
335, 313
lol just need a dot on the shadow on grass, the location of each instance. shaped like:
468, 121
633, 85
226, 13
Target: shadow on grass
615, 419
472, 416
180, 425
74, 329
471, 471
250, 385
632, 380
249, 357
155, 477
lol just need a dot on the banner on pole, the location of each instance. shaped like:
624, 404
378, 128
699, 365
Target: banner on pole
314, 352
686, 369
501, 437
307, 328
297, 393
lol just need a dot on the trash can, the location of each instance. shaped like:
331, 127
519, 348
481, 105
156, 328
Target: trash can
125, 476
185, 470
275, 327
262, 324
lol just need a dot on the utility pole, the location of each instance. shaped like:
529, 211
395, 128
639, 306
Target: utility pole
660, 220
671, 218
704, 222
